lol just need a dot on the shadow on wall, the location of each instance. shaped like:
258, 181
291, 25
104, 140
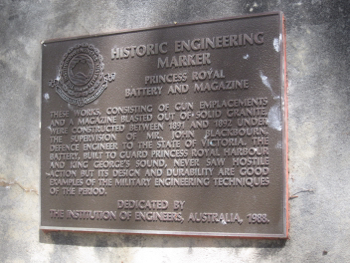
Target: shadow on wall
93, 239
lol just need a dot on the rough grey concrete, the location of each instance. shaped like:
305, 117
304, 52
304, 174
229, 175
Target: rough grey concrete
318, 55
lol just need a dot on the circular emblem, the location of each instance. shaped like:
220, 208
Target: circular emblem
80, 70
81, 78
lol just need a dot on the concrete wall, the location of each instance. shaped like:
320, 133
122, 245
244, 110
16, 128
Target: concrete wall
318, 57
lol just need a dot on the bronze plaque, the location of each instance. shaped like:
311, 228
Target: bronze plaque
170, 130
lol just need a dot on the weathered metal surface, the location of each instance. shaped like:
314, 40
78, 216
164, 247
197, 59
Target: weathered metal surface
171, 130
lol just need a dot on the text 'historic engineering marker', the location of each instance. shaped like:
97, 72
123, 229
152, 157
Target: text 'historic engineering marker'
172, 130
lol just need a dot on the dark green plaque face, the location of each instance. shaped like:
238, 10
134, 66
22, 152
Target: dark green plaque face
172, 130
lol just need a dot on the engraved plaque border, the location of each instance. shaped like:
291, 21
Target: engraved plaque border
284, 134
